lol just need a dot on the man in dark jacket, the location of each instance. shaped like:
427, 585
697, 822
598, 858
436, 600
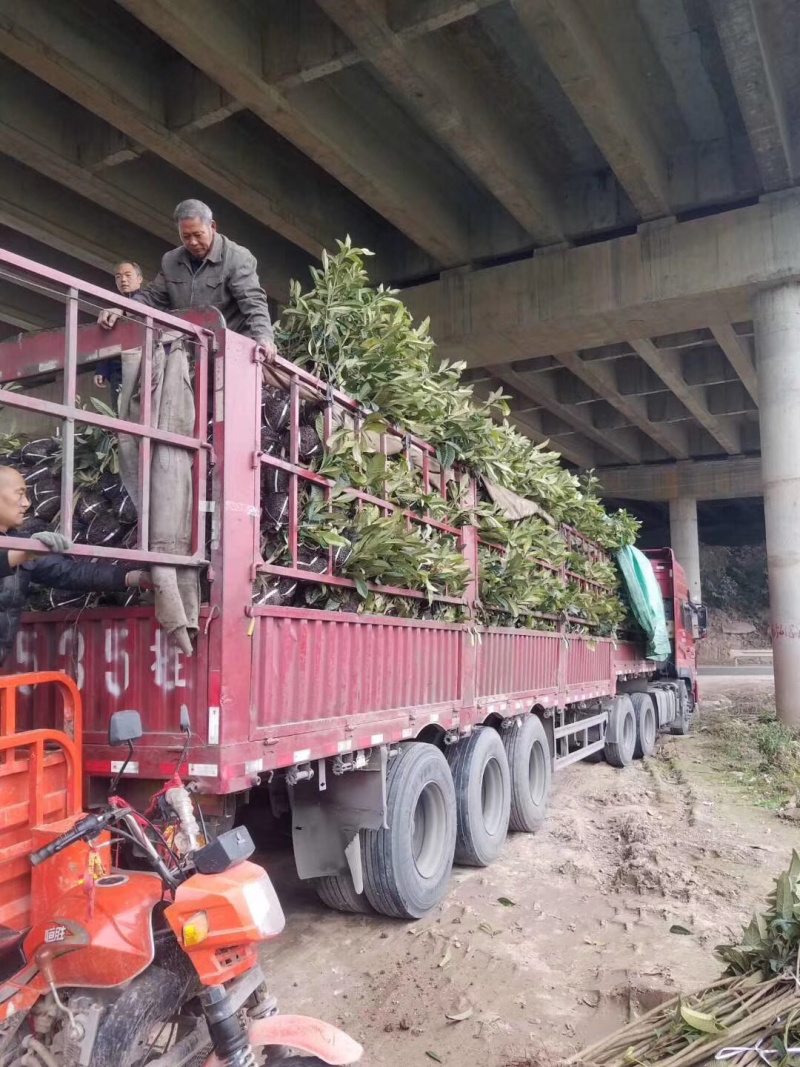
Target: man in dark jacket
208, 270
19, 569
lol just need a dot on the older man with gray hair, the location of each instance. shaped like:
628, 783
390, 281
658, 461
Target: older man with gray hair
208, 270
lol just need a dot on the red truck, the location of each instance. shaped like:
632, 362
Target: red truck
397, 744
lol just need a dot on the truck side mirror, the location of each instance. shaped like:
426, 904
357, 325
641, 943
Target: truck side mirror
124, 727
702, 620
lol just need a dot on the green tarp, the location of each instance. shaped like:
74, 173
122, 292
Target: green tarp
646, 600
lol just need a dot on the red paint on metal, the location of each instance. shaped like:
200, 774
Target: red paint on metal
291, 684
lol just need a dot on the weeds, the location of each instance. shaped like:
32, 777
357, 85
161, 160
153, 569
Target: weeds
750, 748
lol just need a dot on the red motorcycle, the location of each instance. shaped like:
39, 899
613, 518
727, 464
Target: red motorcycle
127, 968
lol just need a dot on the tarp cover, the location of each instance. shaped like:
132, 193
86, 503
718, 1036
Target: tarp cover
177, 589
646, 600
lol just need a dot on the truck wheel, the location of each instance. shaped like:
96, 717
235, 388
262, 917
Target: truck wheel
531, 773
339, 893
621, 733
407, 867
481, 775
682, 720
645, 725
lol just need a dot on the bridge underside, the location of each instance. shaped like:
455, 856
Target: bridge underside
589, 198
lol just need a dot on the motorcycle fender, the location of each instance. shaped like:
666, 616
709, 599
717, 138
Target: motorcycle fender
311, 1036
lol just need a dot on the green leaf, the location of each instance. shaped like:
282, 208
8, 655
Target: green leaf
433, 1056
363, 589
699, 1020
784, 897
506, 902
679, 930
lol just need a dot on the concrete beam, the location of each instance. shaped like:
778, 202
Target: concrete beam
49, 213
667, 367
600, 378
738, 355
572, 50
672, 278
713, 479
292, 60
226, 43
122, 87
754, 79
33, 118
438, 88
541, 389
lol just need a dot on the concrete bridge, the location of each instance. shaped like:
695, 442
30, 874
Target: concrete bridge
596, 201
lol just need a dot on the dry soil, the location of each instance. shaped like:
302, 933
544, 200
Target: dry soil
613, 906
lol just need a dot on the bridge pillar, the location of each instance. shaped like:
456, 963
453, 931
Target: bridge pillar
685, 542
777, 330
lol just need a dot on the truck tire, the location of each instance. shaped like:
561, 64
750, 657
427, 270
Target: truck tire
339, 893
621, 733
407, 867
682, 720
646, 726
481, 775
531, 768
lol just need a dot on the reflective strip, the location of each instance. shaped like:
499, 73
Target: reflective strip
204, 770
118, 764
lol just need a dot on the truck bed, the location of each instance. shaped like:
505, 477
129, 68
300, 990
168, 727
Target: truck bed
322, 684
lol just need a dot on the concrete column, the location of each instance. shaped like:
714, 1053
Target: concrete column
685, 541
777, 323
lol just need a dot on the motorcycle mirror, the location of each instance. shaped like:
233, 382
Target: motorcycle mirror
124, 727
186, 723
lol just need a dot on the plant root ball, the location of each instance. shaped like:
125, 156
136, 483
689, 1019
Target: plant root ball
275, 408
274, 592
275, 510
308, 443
104, 530
90, 503
274, 480
43, 448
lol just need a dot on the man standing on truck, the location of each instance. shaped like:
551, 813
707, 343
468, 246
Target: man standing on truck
19, 569
128, 279
208, 270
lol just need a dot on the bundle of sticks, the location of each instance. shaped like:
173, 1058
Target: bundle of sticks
751, 1015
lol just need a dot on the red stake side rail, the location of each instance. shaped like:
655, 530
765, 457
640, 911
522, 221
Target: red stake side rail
270, 688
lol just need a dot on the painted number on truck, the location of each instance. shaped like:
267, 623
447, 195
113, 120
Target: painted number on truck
72, 647
118, 677
27, 660
167, 665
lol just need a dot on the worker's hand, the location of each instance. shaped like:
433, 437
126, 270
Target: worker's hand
99, 381
270, 351
55, 542
108, 317
138, 580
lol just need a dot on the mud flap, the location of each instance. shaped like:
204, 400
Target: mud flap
307, 1035
326, 822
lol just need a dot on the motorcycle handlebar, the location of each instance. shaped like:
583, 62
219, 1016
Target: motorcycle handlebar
83, 830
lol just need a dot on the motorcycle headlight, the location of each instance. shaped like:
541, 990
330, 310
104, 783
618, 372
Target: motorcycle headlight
266, 912
195, 929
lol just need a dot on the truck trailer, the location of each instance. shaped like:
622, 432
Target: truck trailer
397, 746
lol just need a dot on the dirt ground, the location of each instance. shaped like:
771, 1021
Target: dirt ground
615, 905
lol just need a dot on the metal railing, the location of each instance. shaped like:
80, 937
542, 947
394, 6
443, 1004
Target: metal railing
57, 351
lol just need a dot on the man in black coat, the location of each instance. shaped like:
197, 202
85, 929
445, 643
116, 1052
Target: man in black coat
19, 569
